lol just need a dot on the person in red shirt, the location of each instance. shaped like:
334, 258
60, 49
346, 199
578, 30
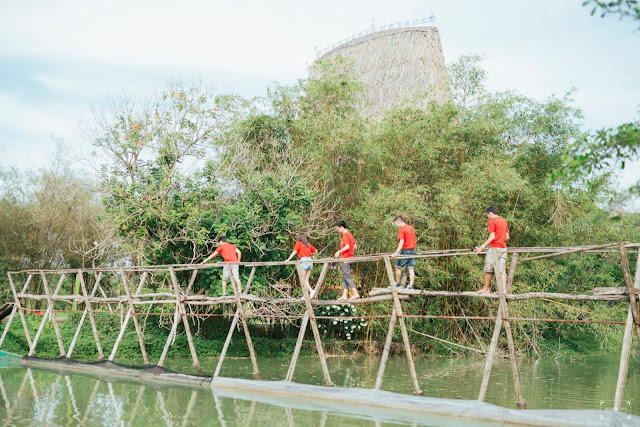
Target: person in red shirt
347, 250
304, 250
497, 242
406, 246
230, 254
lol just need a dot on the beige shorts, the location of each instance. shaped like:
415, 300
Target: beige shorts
496, 255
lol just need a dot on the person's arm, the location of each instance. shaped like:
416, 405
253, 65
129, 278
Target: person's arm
507, 235
346, 248
239, 254
293, 253
210, 257
492, 236
400, 245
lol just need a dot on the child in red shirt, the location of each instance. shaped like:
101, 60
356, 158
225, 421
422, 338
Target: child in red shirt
348, 247
406, 246
229, 253
496, 259
304, 249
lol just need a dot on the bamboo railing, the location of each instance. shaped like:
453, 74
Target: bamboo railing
129, 303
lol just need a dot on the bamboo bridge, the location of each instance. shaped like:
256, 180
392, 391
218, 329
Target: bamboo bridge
129, 300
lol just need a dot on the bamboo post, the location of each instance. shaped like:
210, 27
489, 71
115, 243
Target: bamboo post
92, 320
174, 327
493, 346
403, 327
627, 342
303, 326
83, 317
15, 308
185, 321
512, 272
48, 313
387, 347
123, 327
143, 349
236, 286
314, 327
633, 303
19, 306
234, 323
104, 295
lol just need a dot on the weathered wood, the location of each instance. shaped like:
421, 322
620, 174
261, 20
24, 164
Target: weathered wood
619, 290
633, 303
185, 321
403, 328
104, 295
83, 317
92, 319
234, 324
512, 272
136, 324
15, 308
386, 349
19, 306
491, 353
123, 325
571, 251
49, 313
314, 327
303, 327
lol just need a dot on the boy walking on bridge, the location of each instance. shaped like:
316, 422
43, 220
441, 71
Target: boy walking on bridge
347, 250
498, 236
406, 246
230, 253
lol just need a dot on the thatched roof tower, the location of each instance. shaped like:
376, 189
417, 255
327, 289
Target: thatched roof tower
396, 65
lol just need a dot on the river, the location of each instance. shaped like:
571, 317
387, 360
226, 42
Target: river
31, 396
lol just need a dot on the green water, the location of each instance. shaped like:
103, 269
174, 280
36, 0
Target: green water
31, 396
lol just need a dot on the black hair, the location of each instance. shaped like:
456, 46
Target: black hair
301, 237
340, 223
398, 218
492, 210
222, 239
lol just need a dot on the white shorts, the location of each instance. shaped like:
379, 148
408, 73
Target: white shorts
236, 272
496, 256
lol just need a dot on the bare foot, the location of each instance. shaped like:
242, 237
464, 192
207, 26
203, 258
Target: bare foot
356, 296
483, 291
342, 299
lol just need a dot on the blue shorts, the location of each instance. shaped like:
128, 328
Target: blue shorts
306, 265
407, 262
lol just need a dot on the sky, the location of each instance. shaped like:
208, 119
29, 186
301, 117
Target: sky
58, 59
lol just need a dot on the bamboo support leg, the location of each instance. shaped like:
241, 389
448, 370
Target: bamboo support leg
83, 317
104, 295
124, 324
512, 272
491, 353
143, 349
303, 326
403, 327
234, 324
49, 313
314, 327
633, 302
92, 320
236, 291
19, 306
387, 347
185, 321
13, 313
627, 342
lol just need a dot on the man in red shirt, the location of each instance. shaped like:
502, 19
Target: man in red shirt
347, 250
229, 253
498, 236
406, 246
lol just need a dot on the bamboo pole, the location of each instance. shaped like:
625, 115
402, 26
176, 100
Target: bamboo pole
234, 323
48, 313
627, 342
105, 297
143, 349
84, 314
19, 306
633, 303
314, 327
571, 251
185, 321
303, 327
512, 297
92, 320
386, 349
124, 324
403, 327
493, 346
13, 313
512, 272
237, 288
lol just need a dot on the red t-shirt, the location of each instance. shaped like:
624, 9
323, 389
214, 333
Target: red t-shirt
347, 239
499, 226
302, 250
228, 252
407, 233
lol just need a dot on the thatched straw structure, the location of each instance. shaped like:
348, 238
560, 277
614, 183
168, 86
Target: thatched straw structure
397, 65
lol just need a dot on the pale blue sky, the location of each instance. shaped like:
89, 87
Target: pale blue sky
59, 58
